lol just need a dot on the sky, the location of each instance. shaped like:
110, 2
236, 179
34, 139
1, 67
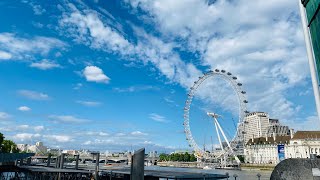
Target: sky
114, 75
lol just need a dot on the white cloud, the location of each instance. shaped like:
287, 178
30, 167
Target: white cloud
89, 103
59, 138
5, 55
95, 74
77, 86
157, 117
37, 9
89, 29
24, 108
23, 127
266, 52
26, 136
38, 128
136, 89
67, 119
34, 95
45, 64
138, 133
4, 116
17, 48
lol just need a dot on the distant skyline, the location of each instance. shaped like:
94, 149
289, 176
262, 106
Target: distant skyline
114, 75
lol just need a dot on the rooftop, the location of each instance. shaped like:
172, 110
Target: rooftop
263, 140
306, 135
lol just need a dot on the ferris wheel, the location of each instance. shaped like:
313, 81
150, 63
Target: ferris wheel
240, 128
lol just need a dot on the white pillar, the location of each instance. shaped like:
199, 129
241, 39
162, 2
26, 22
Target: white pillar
311, 57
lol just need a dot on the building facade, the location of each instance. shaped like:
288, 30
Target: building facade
310, 17
38, 148
265, 150
256, 125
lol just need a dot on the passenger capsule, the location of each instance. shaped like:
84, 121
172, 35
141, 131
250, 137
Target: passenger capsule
239, 84
223, 71
235, 78
217, 70
245, 101
229, 73
243, 92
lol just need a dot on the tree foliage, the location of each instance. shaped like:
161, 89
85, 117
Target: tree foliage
185, 157
7, 146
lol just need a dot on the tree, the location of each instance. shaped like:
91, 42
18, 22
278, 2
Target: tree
163, 157
186, 157
9, 146
193, 158
1, 141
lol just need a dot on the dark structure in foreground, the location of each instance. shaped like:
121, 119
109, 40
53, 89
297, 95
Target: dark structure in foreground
18, 166
297, 169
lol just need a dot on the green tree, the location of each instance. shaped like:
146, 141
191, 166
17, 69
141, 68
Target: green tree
186, 157
163, 157
176, 157
1, 141
193, 158
9, 146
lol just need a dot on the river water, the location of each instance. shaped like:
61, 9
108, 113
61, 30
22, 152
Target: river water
242, 175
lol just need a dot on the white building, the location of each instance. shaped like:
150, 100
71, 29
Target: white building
256, 125
304, 144
264, 150
38, 148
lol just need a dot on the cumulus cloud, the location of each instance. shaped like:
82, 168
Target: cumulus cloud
266, 53
25, 136
24, 108
157, 117
38, 128
136, 88
19, 48
95, 74
4, 116
138, 133
45, 64
33, 95
67, 119
89, 103
5, 55
94, 33
23, 127
58, 138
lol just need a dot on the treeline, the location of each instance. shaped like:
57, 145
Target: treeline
181, 157
7, 146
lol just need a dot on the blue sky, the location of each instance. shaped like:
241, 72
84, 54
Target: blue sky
113, 75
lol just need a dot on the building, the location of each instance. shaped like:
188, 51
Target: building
278, 130
256, 125
310, 17
304, 144
38, 148
264, 150
270, 150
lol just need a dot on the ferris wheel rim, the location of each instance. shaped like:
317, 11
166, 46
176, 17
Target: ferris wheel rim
242, 101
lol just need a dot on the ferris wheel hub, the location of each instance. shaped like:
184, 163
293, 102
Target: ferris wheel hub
214, 115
